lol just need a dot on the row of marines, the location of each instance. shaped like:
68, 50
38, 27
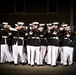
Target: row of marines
37, 43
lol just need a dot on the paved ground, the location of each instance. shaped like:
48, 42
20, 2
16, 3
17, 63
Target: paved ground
7, 69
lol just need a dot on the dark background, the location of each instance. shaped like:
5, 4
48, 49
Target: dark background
36, 10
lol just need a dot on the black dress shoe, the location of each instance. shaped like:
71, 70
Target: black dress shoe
6, 62
11, 62
1, 63
45, 63
48, 64
42, 65
28, 64
23, 64
57, 63
65, 65
35, 63
15, 64
54, 66
39, 65
32, 65
61, 63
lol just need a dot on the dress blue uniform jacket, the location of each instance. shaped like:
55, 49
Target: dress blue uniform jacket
50, 40
43, 39
3, 33
35, 41
17, 34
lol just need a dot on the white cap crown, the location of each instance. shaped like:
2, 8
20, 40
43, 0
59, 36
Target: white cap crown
4, 22
55, 23
20, 23
49, 24
34, 23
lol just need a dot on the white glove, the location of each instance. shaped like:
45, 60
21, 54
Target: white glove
30, 32
54, 32
26, 34
68, 35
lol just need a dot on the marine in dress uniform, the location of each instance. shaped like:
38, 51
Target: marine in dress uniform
71, 47
18, 43
35, 44
56, 34
48, 36
28, 33
61, 31
54, 44
66, 43
5, 54
42, 43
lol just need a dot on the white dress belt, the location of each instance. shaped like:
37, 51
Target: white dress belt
5, 37
54, 38
18, 38
35, 37
66, 38
43, 38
